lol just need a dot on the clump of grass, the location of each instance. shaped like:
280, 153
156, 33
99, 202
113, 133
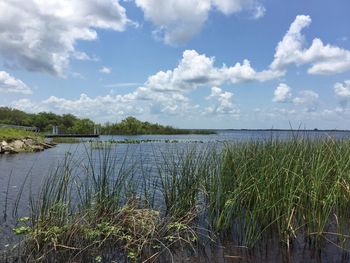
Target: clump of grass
9, 135
133, 231
65, 140
294, 188
182, 175
84, 215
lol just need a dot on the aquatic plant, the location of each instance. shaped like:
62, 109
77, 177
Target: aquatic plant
90, 205
104, 206
296, 187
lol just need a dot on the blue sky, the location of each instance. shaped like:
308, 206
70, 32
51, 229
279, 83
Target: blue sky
187, 63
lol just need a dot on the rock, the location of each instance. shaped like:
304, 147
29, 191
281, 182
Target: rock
46, 145
37, 148
17, 145
24, 145
28, 141
8, 149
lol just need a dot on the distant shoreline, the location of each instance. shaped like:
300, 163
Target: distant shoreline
289, 130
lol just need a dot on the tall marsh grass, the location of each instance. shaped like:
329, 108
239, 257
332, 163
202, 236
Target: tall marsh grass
294, 189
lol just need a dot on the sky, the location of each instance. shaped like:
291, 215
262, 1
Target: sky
185, 63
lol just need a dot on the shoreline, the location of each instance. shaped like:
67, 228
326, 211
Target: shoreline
26, 144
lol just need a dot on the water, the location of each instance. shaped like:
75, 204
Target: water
35, 167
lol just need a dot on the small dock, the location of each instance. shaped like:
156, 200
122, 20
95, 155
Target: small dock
72, 135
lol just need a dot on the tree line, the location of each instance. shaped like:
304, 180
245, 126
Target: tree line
68, 123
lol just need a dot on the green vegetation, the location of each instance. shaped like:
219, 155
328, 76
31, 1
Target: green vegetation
107, 212
70, 140
296, 189
97, 143
67, 123
10, 135
70, 124
132, 126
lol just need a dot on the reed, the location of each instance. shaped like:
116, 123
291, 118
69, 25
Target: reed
89, 205
252, 190
296, 187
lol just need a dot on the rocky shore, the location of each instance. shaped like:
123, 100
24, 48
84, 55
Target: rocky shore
24, 145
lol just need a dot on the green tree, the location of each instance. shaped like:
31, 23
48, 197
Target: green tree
84, 126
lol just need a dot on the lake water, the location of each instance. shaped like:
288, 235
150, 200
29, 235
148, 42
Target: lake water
15, 168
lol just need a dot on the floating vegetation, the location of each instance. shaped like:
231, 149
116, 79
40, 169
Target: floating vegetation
98, 144
69, 140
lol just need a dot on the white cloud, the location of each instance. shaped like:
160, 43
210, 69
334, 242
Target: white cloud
123, 84
28, 105
342, 91
308, 99
229, 7
259, 12
105, 70
112, 107
44, 33
166, 91
222, 103
197, 70
9, 84
83, 56
177, 21
282, 93
321, 58
101, 108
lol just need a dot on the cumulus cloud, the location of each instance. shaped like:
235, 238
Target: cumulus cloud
222, 103
321, 58
307, 99
197, 70
177, 21
44, 33
101, 108
105, 70
9, 84
229, 7
282, 93
342, 91
166, 92
167, 89
123, 85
